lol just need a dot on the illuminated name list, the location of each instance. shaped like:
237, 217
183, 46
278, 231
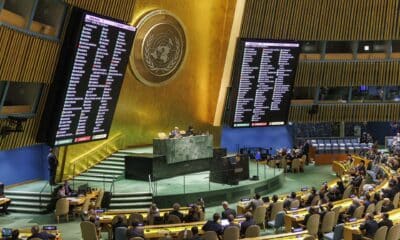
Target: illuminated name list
95, 81
265, 83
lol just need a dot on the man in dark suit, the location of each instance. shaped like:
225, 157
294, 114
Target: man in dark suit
353, 207
227, 211
249, 221
232, 223
118, 223
385, 221
370, 226
176, 211
53, 163
134, 230
387, 205
5, 204
213, 225
41, 235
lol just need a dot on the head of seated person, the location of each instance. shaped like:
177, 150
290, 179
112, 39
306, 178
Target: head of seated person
248, 216
216, 217
275, 198
176, 206
293, 195
195, 231
231, 218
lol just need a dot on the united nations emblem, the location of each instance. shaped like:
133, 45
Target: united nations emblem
159, 48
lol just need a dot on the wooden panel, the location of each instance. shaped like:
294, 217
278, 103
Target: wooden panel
346, 113
119, 9
322, 20
26, 58
347, 73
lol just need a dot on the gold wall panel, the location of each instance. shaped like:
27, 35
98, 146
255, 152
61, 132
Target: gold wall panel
191, 97
347, 73
346, 113
322, 19
119, 9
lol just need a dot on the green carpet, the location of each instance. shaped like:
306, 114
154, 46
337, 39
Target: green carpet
313, 176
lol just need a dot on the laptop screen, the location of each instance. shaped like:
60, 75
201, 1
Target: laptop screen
224, 222
6, 232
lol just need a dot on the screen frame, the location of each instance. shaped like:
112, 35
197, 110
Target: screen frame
235, 79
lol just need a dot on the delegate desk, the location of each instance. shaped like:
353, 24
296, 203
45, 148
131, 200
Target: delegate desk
4, 201
241, 205
184, 149
24, 233
292, 218
351, 228
77, 201
107, 217
282, 236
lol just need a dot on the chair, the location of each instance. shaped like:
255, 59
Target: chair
259, 215
99, 199
313, 224
393, 233
231, 233
380, 233
135, 216
347, 192
296, 165
358, 213
370, 208
396, 200
173, 219
278, 222
84, 208
210, 235
185, 234
120, 233
337, 213
89, 231
378, 206
295, 204
309, 238
62, 208
252, 231
276, 207
328, 222
315, 200
337, 233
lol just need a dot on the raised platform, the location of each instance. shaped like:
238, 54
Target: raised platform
184, 189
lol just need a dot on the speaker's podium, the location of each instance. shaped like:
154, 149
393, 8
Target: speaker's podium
229, 169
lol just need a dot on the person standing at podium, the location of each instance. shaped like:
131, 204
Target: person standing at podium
53, 163
175, 133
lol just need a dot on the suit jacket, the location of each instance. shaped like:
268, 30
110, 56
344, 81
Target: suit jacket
245, 225
213, 226
386, 222
370, 227
227, 212
42, 235
134, 232
177, 213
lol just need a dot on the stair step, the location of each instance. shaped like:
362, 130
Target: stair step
137, 194
27, 204
29, 198
141, 204
25, 209
11, 192
132, 199
112, 163
108, 167
105, 171
116, 158
122, 153
89, 174
93, 179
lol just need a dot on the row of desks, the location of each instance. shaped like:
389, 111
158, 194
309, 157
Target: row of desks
108, 216
354, 227
24, 233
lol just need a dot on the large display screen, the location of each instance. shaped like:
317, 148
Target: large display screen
88, 80
263, 82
